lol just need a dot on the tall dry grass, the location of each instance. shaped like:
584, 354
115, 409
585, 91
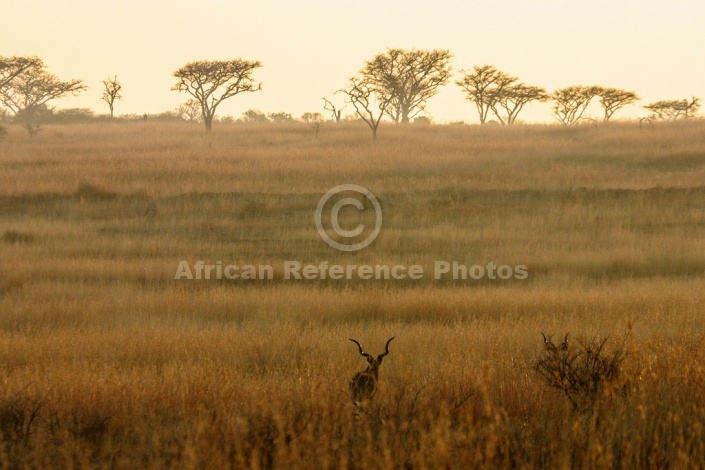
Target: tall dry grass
107, 361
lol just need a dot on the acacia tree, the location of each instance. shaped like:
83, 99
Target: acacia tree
670, 110
370, 103
211, 82
112, 91
513, 99
571, 102
613, 99
485, 86
406, 79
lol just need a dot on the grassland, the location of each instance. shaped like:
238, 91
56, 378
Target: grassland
107, 361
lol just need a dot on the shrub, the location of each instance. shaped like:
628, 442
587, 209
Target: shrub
18, 416
253, 115
583, 373
281, 117
423, 120
311, 118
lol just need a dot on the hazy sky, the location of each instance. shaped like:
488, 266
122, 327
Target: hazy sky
309, 48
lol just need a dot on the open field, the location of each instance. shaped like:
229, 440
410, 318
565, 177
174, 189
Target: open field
107, 361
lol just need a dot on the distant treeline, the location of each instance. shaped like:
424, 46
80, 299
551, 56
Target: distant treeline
394, 85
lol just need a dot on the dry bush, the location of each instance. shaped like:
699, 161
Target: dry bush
18, 417
583, 373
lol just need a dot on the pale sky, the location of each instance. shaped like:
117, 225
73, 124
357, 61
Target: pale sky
310, 48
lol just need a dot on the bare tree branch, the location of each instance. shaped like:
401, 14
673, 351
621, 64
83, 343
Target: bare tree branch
337, 112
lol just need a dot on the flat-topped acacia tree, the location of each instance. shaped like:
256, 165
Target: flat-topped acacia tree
211, 82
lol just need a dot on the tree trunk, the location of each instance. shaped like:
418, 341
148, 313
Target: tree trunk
209, 122
405, 115
374, 133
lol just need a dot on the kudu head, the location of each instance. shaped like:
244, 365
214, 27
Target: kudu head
373, 363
